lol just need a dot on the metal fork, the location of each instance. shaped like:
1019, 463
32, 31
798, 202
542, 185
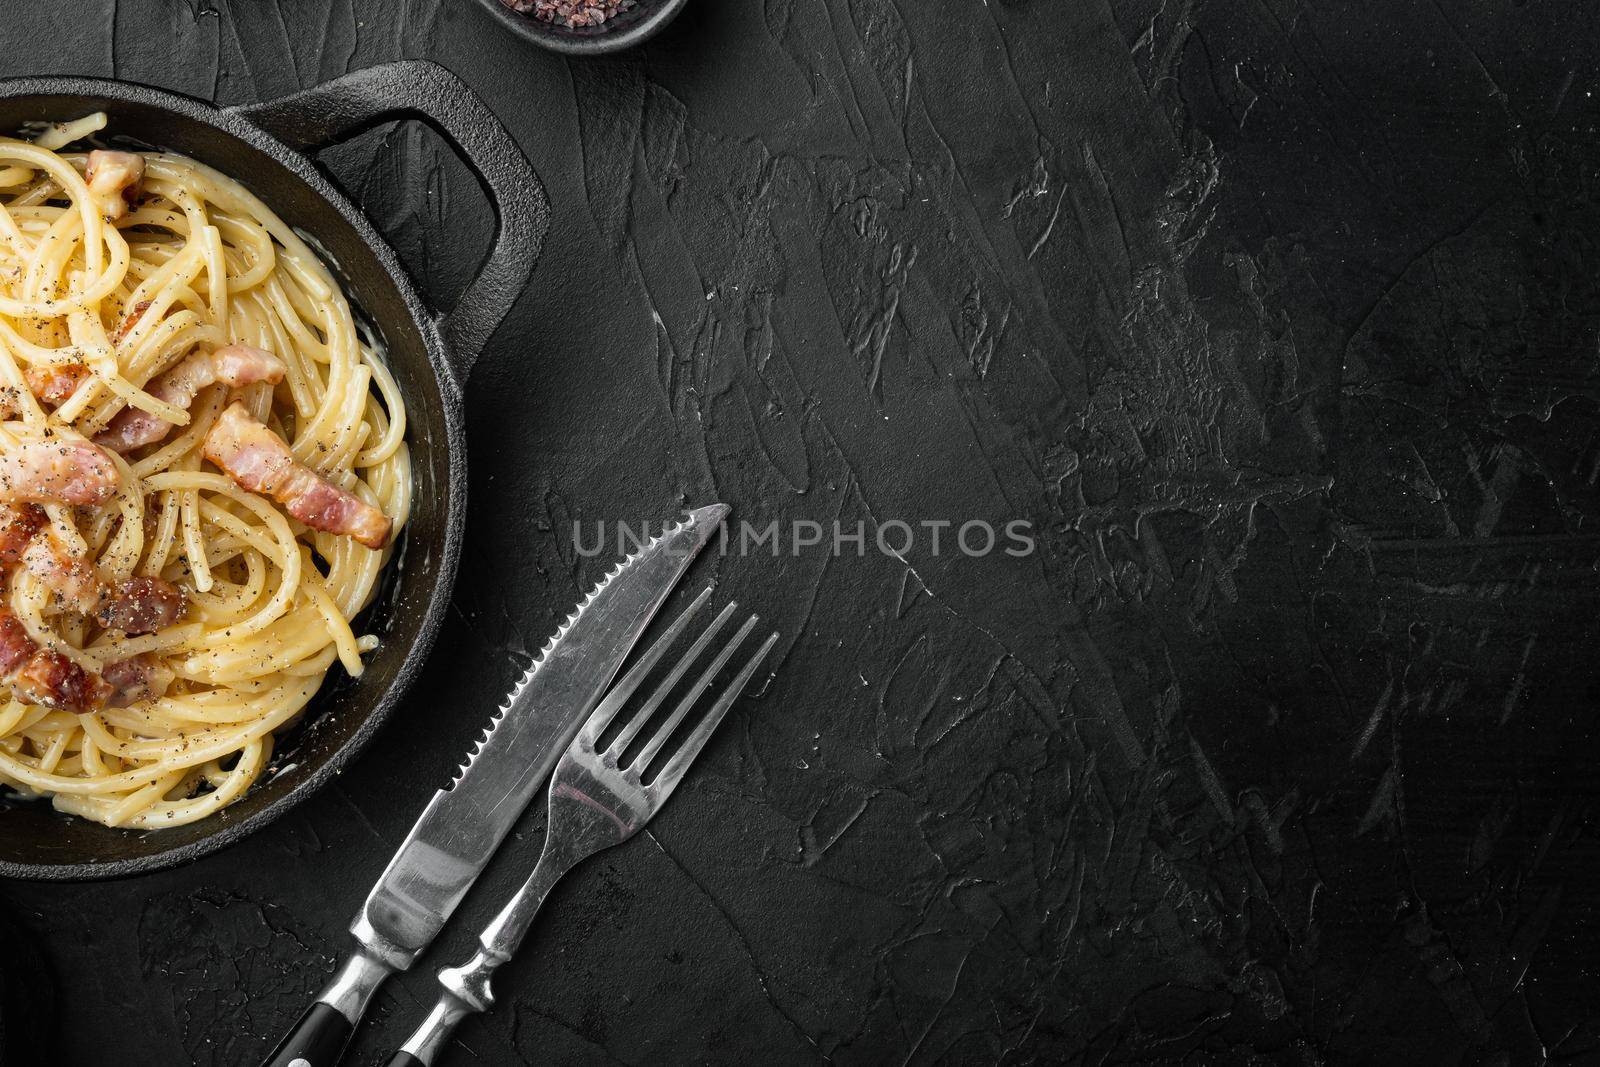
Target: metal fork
595, 803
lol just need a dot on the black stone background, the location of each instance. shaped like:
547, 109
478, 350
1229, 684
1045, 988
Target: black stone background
1279, 321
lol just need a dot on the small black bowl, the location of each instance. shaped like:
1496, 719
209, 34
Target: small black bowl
626, 30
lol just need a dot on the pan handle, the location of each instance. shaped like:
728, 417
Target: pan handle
427, 92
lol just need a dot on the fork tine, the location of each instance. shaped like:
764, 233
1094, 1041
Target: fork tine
602, 715
642, 716
672, 773
663, 735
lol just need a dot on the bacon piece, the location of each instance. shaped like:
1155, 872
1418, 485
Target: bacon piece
233, 365
45, 677
16, 647
74, 581
55, 383
129, 321
239, 365
17, 527
53, 680
140, 605
52, 384
57, 472
136, 680
114, 179
261, 462
41, 676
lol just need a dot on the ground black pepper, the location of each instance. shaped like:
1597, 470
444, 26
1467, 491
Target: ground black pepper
573, 14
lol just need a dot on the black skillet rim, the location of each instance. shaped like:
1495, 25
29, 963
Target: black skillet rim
299, 164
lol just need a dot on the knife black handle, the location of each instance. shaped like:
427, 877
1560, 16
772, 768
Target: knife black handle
317, 1040
405, 1059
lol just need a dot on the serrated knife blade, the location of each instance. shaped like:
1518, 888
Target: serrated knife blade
465, 822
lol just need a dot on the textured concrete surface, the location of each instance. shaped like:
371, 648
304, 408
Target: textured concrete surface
1277, 320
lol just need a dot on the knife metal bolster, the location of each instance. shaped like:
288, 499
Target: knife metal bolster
355, 983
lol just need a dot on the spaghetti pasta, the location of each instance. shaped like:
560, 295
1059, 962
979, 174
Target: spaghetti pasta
102, 302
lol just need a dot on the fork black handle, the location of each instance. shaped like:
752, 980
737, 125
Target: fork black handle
404, 1059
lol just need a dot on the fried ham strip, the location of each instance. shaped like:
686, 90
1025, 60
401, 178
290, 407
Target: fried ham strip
57, 471
45, 677
139, 605
233, 365
41, 676
73, 580
114, 179
136, 680
260, 461
55, 383
135, 605
129, 321
18, 524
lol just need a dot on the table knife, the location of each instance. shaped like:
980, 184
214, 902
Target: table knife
466, 821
